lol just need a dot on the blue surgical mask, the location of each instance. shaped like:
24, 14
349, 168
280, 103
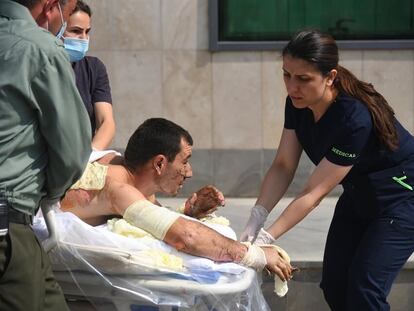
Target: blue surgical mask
76, 48
62, 29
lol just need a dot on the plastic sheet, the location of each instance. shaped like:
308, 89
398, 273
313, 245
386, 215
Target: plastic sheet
98, 264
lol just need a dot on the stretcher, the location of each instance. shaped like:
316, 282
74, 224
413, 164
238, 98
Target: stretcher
94, 264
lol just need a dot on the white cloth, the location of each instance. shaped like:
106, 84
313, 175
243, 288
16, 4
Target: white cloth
98, 154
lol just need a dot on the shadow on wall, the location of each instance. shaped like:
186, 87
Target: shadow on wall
239, 173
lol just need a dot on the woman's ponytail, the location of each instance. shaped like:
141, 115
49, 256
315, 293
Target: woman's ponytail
381, 112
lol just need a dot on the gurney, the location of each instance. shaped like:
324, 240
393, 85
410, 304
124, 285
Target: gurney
95, 264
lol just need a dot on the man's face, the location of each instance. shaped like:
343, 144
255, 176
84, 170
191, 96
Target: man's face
55, 20
177, 171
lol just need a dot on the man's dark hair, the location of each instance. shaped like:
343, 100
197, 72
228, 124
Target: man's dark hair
155, 136
82, 7
31, 3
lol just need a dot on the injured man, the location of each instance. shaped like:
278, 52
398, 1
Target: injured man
156, 160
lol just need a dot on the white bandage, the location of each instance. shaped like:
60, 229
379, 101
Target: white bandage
254, 258
281, 287
93, 178
150, 217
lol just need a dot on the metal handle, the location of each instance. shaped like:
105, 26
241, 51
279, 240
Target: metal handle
49, 209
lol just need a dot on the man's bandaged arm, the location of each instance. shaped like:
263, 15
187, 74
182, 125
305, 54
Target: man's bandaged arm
197, 239
194, 238
185, 235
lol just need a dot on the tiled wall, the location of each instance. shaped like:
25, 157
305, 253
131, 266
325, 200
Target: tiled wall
156, 52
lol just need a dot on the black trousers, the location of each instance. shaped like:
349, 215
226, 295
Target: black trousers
26, 277
363, 256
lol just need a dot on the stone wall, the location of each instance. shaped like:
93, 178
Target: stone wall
156, 52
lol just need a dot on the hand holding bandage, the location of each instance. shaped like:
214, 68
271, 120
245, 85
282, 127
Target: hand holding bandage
274, 258
281, 287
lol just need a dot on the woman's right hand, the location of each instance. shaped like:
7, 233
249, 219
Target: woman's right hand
258, 216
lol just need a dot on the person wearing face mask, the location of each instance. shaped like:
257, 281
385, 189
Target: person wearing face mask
91, 77
44, 144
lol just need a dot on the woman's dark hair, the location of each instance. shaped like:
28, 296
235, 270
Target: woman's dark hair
154, 136
321, 50
82, 7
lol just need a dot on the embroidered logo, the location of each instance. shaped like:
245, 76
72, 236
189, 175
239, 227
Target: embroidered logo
342, 153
